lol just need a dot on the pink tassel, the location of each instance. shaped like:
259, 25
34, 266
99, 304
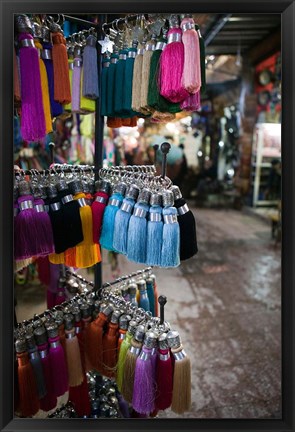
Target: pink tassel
192, 103
58, 366
171, 68
191, 78
32, 112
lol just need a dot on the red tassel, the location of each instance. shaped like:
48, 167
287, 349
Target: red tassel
164, 380
79, 396
98, 207
29, 402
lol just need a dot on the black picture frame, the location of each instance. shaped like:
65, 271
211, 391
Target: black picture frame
287, 10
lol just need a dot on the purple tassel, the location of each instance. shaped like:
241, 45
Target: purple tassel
32, 112
45, 235
76, 89
124, 407
54, 277
192, 103
56, 107
143, 400
58, 367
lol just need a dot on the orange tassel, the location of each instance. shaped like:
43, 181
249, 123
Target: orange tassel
70, 257
109, 348
126, 121
62, 87
133, 122
114, 122
57, 258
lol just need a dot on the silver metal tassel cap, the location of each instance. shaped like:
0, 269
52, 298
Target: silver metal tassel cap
75, 186
120, 188
40, 335
20, 345
24, 188
37, 191
176, 192
23, 24
151, 279
86, 186
163, 341
45, 32
61, 185
108, 310
123, 322
85, 310
51, 191
105, 186
115, 316
132, 327
156, 199
141, 283
168, 198
52, 330
69, 321
144, 196
37, 32
150, 340
173, 339
132, 288
30, 340
91, 41
76, 312
132, 192
139, 334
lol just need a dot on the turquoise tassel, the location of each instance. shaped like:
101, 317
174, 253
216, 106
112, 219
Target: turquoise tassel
121, 226
171, 240
111, 85
154, 236
137, 234
107, 232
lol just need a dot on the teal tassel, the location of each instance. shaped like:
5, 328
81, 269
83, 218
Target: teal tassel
107, 232
151, 294
111, 85
171, 240
121, 227
119, 80
144, 302
137, 235
104, 85
154, 237
127, 89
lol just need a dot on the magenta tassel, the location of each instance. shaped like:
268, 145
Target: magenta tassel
45, 236
171, 70
76, 87
32, 112
143, 400
58, 366
192, 103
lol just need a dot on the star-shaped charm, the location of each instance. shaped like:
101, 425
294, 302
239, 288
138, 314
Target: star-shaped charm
106, 45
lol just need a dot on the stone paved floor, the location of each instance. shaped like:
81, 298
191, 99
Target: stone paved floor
225, 302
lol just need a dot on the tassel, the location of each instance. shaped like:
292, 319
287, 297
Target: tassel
36, 363
143, 400
111, 84
133, 122
27, 226
43, 267
87, 253
137, 230
93, 339
123, 326
132, 289
45, 90
119, 79
187, 226
98, 207
71, 214
107, 231
154, 231
86, 105
56, 107
151, 294
123, 352
73, 356
171, 68
56, 214
79, 397
202, 60
181, 396
154, 99
128, 78
49, 401
109, 345
144, 302
32, 112
58, 362
145, 75
29, 402
62, 87
104, 85
164, 375
57, 258
192, 103
136, 83
171, 233
90, 76
16, 387
124, 407
76, 79
162, 117
191, 78
45, 234
114, 122
122, 220
81, 332
16, 78
130, 364
68, 107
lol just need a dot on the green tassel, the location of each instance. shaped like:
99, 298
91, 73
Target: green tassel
104, 84
202, 60
119, 85
110, 86
155, 100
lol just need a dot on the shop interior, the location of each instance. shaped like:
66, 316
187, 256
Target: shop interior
215, 306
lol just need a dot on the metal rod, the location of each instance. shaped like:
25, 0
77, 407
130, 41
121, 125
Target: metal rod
52, 171
215, 28
79, 20
165, 148
162, 301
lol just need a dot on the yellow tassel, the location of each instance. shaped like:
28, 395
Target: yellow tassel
68, 107
57, 258
86, 105
45, 91
87, 252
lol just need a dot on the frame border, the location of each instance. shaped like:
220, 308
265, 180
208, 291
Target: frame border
287, 10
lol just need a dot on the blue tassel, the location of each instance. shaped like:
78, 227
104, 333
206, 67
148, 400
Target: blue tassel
107, 232
137, 234
171, 239
144, 302
151, 294
154, 236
